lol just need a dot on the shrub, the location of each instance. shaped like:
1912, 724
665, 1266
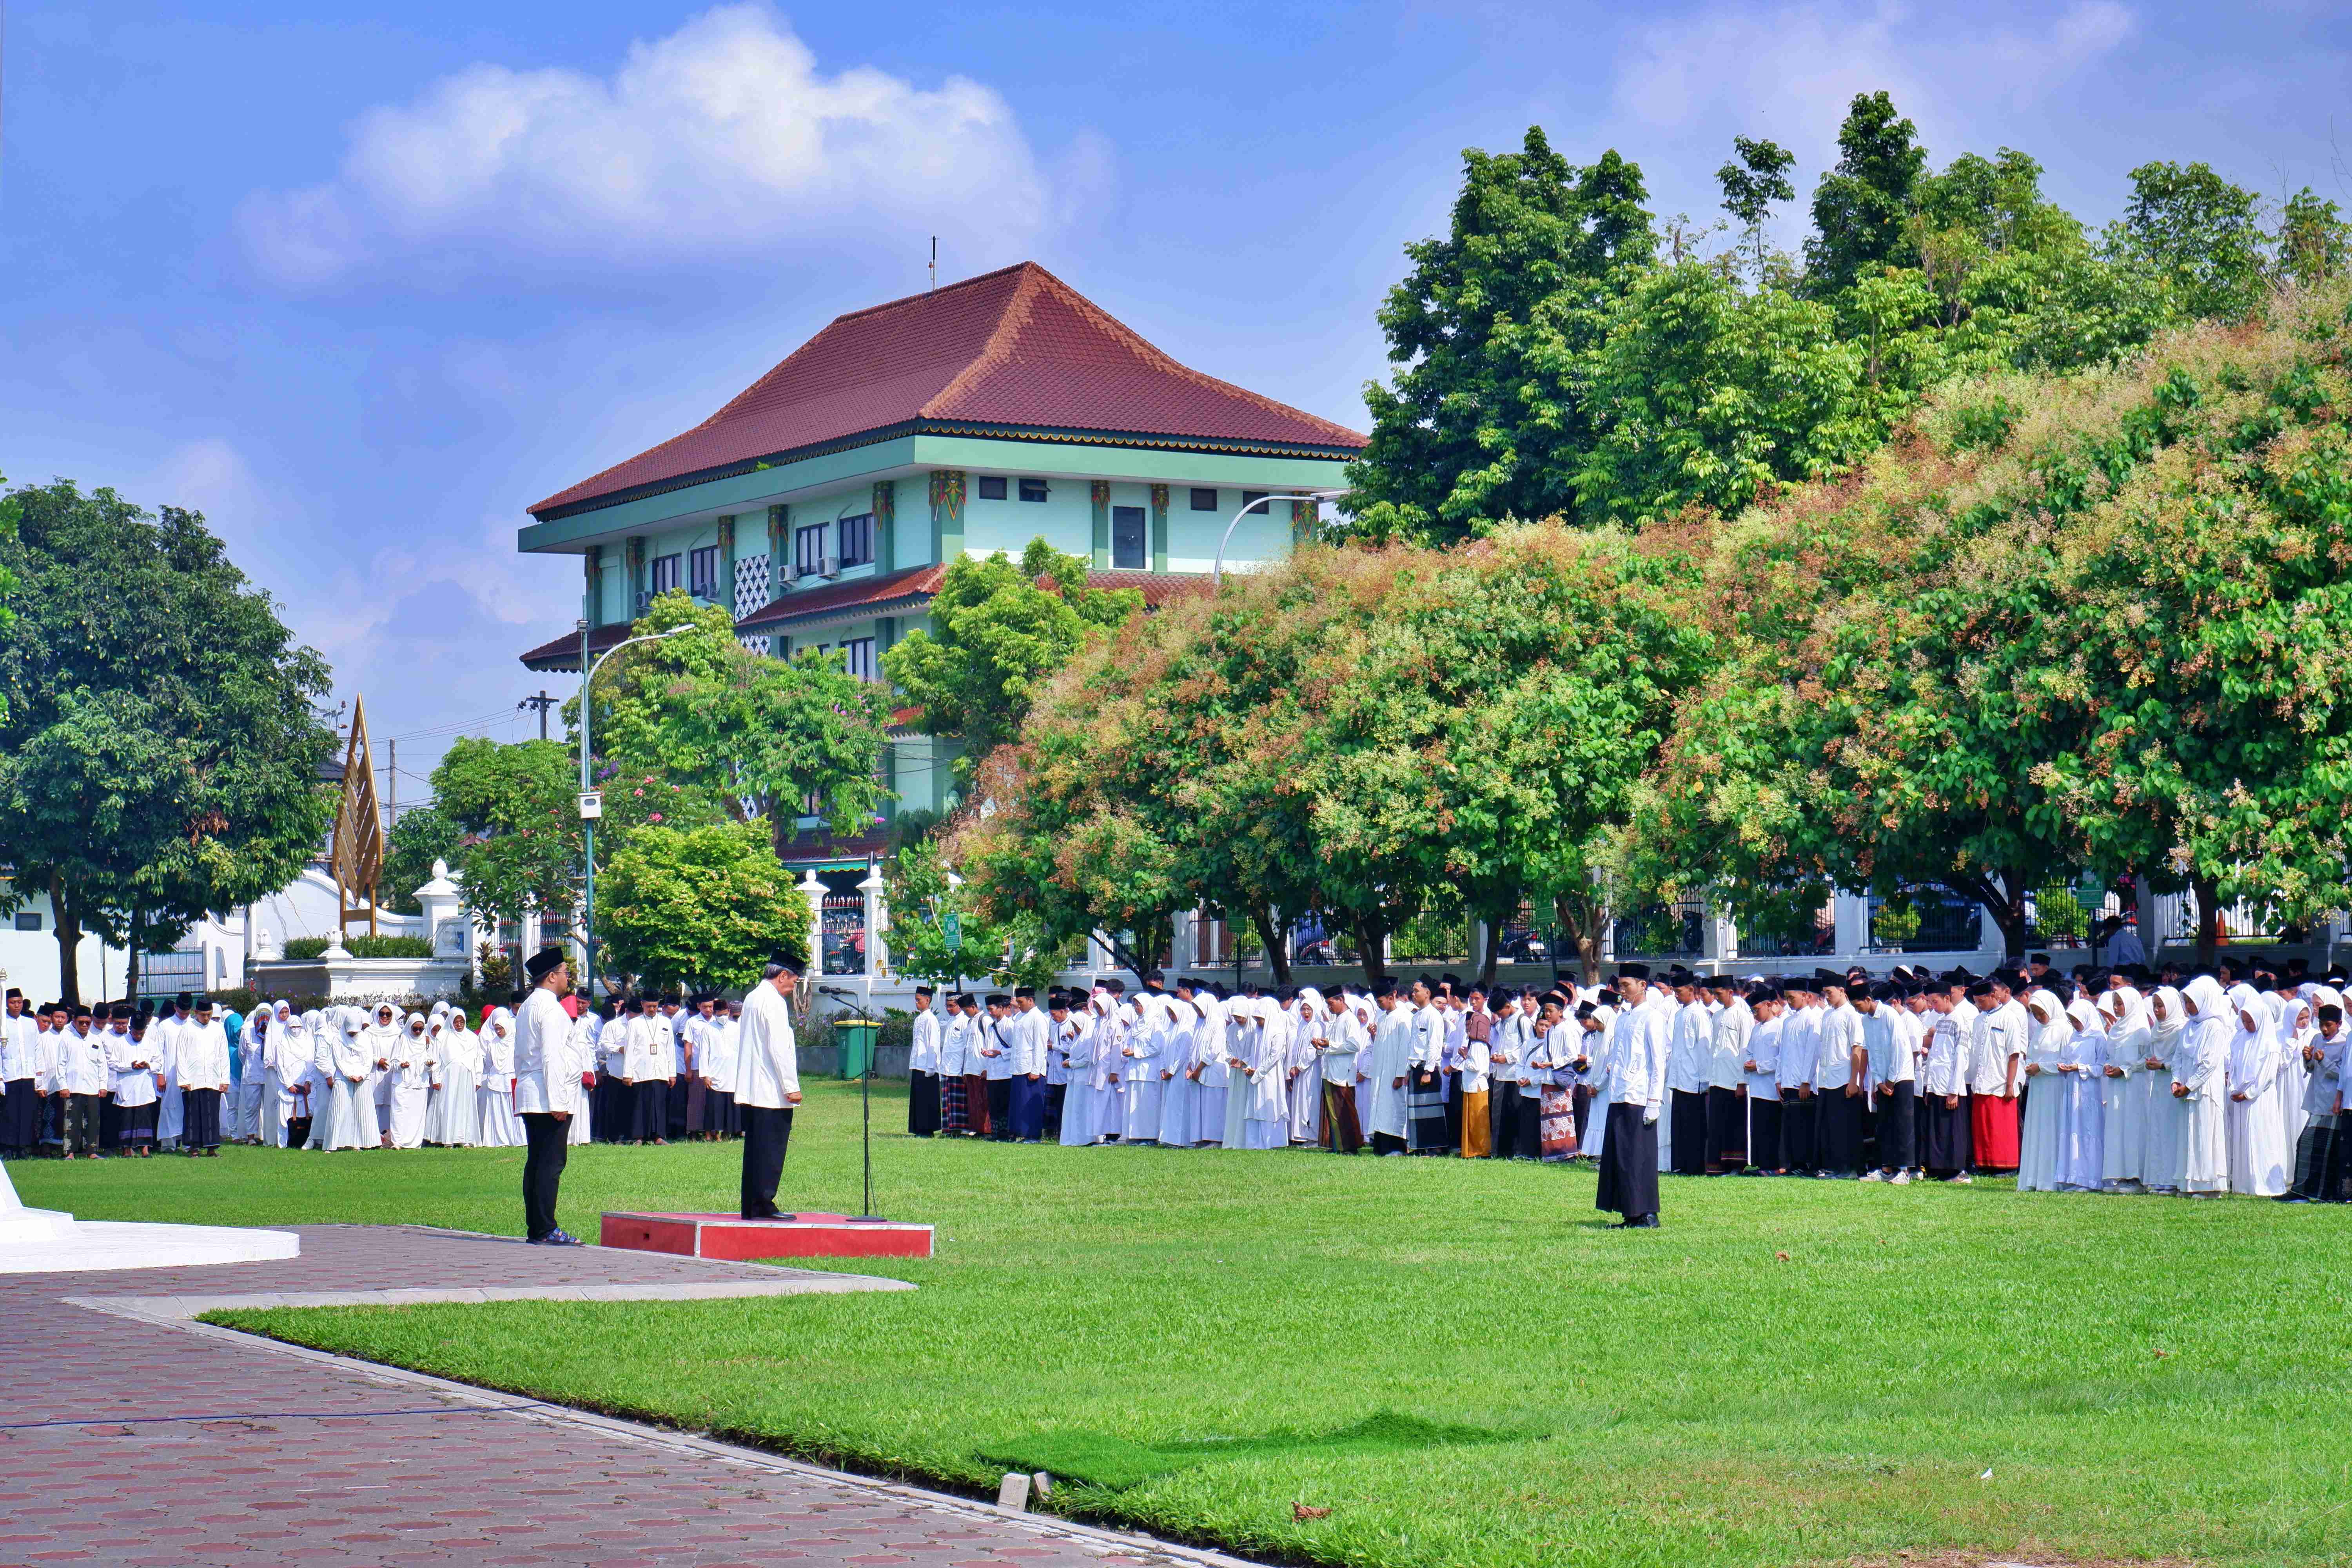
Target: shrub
306, 946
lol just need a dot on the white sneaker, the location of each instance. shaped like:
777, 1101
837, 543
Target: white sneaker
1964, 1180
1900, 1179
1874, 1176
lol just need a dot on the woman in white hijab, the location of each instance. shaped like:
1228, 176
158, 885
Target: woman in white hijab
2045, 1099
499, 1129
412, 1083
2081, 1143
2258, 1147
276, 1047
380, 1035
2200, 1077
2165, 1162
2123, 1089
436, 1100
458, 1098
348, 1121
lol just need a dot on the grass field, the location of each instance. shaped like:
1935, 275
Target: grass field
1789, 1372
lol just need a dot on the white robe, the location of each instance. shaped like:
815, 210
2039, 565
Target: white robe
1267, 1122
2260, 1154
1305, 1087
348, 1118
2043, 1124
2164, 1162
459, 1100
2082, 1158
1074, 1042
1392, 1055
1138, 1073
412, 1084
500, 1128
2203, 1070
2124, 1099
1180, 1092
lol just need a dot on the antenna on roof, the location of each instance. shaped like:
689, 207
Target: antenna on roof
935, 262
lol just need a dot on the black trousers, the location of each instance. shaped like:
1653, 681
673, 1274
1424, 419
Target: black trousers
1026, 1104
1387, 1143
1502, 1109
20, 1117
2339, 1165
999, 1109
1628, 1165
674, 1109
80, 1116
547, 1143
1527, 1137
1056, 1094
1898, 1128
1838, 1131
649, 1104
766, 1131
1799, 1119
1581, 1108
200, 1117
1764, 1135
922, 1102
1726, 1128
1691, 1151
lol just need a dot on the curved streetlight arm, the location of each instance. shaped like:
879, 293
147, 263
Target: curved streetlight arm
588, 826
1217, 572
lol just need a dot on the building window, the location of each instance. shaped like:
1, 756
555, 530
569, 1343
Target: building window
1127, 538
1256, 501
858, 658
28, 920
992, 487
1204, 501
857, 538
702, 572
808, 548
1032, 490
666, 572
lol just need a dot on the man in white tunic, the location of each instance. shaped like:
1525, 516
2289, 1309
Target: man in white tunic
1391, 1063
547, 1093
923, 1068
768, 1084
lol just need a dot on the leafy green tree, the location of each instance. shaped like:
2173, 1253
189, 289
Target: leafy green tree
516, 807
938, 931
420, 837
2314, 242
749, 735
161, 752
2198, 234
1861, 209
1751, 182
999, 628
1482, 422
703, 906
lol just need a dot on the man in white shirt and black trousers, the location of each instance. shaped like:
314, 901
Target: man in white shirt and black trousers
767, 1083
547, 1092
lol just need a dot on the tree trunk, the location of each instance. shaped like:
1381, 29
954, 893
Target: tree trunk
1370, 938
1582, 920
1277, 957
2209, 920
1488, 960
2007, 904
68, 924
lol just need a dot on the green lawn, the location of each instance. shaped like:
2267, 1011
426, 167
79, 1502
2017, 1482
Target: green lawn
1787, 1371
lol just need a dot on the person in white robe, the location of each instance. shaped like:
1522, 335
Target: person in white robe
500, 1128
2123, 1100
1265, 1072
1071, 1043
2259, 1151
285, 1075
1147, 1036
1308, 1040
1391, 1053
2200, 1077
2321, 1052
244, 1115
1210, 1068
1177, 1070
2044, 1120
2291, 1024
349, 1121
1110, 1064
160, 1046
412, 1084
589, 1032
381, 1039
1242, 1027
2164, 1120
2082, 1160
436, 1100
1594, 1053
461, 1076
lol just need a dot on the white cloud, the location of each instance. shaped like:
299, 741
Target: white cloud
1789, 72
722, 138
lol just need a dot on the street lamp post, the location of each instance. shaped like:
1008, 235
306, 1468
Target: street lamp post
587, 816
1217, 572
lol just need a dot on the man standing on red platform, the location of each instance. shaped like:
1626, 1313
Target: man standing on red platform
768, 1084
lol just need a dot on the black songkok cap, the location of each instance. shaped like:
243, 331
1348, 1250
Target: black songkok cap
924, 989
1632, 972
783, 964
540, 962
81, 1010
1028, 991
1382, 988
999, 999
183, 999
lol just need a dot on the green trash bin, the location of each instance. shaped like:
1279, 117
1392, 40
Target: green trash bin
857, 1037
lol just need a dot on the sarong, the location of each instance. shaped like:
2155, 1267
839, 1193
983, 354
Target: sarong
2311, 1151
1764, 1135
1477, 1130
1339, 1132
1726, 1128
1629, 1164
1992, 1127
1556, 1132
1690, 1147
955, 1116
922, 1102
1424, 1114
1945, 1150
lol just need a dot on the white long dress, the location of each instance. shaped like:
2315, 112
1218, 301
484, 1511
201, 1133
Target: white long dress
349, 1118
2164, 1163
1306, 1091
1180, 1092
2124, 1099
2259, 1153
1217, 1073
1266, 1122
459, 1096
500, 1128
1075, 1043
2081, 1139
2204, 1070
2045, 1099
412, 1084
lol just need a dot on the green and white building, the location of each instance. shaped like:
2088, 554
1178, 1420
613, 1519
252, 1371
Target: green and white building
823, 504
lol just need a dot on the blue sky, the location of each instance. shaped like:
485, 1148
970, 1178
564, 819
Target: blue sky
363, 282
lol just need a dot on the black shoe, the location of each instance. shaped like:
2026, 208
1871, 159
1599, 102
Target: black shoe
557, 1238
1645, 1222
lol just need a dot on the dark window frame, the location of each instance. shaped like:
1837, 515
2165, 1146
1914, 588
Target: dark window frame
856, 530
1199, 505
666, 572
808, 548
859, 657
703, 572
1254, 503
1141, 556
997, 481
1043, 489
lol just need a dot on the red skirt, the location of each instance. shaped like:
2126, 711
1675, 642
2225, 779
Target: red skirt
1992, 1123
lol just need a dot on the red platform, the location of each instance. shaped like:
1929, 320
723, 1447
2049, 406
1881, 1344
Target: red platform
802, 1234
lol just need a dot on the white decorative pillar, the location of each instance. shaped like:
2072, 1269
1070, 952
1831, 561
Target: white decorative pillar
1851, 913
530, 936
445, 925
814, 892
878, 917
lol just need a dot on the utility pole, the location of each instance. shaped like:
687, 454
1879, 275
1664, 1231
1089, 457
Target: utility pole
542, 702
392, 798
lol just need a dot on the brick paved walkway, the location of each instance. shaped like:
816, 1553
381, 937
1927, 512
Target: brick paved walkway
134, 1438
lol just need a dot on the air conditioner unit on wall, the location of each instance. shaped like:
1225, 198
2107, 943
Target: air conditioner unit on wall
832, 566
791, 575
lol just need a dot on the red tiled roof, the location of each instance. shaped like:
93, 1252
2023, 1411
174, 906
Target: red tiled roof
914, 583
1016, 347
